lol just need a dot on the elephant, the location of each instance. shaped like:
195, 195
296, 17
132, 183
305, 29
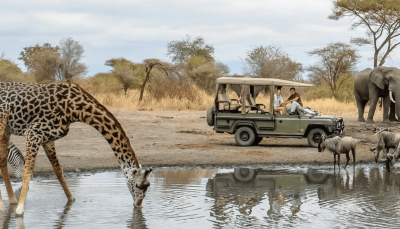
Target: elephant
254, 90
371, 84
339, 145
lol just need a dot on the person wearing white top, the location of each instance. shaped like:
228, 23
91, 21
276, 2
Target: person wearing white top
279, 104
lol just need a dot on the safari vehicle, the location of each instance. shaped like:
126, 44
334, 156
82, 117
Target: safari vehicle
251, 122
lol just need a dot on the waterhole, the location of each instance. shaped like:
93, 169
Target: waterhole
244, 197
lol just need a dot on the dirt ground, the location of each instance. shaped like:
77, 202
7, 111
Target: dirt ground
182, 138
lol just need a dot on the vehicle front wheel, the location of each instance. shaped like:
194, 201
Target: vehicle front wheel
244, 136
257, 140
314, 137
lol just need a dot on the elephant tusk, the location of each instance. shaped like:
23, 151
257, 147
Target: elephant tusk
391, 96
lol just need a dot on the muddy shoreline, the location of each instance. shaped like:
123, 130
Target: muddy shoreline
182, 138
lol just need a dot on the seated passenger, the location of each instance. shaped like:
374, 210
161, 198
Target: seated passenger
279, 104
295, 99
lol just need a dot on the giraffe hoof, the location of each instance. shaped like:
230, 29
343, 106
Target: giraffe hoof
19, 212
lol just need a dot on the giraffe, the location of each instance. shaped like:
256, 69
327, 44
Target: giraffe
43, 114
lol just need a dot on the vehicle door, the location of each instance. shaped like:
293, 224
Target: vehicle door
287, 124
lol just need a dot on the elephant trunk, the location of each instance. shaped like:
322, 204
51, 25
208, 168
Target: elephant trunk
397, 103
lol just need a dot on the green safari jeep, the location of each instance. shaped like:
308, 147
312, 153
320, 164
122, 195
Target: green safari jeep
250, 122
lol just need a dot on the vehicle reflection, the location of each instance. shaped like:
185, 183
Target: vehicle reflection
245, 188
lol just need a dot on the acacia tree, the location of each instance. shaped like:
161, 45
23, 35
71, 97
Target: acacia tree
271, 62
381, 18
125, 71
71, 53
180, 51
335, 66
43, 61
150, 64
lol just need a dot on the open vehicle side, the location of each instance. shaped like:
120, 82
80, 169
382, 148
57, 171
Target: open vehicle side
250, 122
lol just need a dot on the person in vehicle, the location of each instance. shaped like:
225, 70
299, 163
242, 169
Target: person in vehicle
295, 99
279, 104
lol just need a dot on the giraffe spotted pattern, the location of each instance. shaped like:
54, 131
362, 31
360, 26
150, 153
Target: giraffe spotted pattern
43, 114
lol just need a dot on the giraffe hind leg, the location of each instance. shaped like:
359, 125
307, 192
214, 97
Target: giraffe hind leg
51, 155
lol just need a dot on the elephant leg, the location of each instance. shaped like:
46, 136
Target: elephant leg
386, 105
372, 108
360, 106
392, 112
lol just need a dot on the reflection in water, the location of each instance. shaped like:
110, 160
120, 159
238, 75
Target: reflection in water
137, 221
362, 196
61, 221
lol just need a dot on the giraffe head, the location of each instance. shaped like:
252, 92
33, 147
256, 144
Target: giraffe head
137, 180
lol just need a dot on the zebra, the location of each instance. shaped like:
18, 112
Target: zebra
15, 159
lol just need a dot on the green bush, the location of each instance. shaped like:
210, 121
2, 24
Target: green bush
322, 90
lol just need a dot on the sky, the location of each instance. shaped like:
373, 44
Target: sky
141, 29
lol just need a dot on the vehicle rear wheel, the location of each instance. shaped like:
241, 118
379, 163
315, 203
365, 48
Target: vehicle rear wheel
244, 136
257, 140
314, 137
210, 116
244, 174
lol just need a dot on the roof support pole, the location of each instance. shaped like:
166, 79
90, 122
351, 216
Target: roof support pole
271, 99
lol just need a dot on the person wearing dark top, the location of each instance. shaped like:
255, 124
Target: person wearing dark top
295, 99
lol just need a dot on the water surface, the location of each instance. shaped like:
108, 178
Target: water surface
254, 197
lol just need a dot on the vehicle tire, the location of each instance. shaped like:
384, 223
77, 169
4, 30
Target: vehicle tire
257, 140
315, 177
210, 116
244, 136
244, 174
314, 136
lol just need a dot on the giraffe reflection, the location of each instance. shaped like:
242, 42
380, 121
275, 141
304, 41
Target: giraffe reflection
138, 221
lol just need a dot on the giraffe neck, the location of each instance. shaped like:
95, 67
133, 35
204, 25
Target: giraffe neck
90, 111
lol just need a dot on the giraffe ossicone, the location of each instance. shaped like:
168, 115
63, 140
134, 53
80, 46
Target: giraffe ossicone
43, 114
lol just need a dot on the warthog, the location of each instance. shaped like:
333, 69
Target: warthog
339, 145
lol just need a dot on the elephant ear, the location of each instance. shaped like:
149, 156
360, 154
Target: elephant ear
376, 76
258, 89
237, 88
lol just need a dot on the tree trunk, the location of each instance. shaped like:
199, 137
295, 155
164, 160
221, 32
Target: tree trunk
148, 70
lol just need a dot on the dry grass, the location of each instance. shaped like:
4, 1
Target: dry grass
131, 102
203, 100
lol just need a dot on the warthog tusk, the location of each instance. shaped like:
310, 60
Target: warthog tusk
391, 96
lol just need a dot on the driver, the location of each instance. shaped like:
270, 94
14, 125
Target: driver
295, 99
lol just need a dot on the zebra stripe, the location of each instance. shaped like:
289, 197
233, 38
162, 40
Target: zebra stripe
16, 159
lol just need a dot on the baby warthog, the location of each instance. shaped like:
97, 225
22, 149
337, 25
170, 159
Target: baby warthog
387, 140
339, 145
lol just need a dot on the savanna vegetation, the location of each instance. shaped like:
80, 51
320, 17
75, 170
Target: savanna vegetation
187, 80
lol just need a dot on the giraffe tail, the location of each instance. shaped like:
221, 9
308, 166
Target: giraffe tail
16, 159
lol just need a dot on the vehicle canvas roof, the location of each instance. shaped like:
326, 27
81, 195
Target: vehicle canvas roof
261, 81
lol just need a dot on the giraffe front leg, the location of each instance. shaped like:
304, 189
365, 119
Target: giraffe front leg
32, 147
51, 155
4, 141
